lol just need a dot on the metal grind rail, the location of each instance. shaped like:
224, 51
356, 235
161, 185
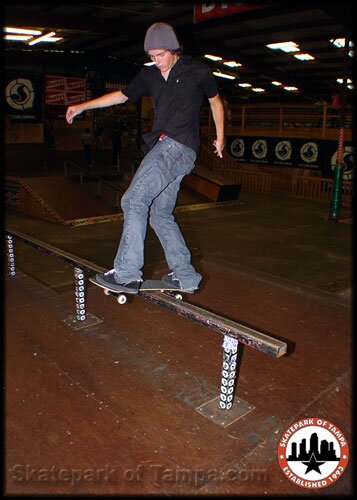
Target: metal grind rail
233, 332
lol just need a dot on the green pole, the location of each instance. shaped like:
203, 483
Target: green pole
336, 193
338, 171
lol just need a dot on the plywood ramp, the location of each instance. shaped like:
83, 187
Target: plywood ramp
59, 198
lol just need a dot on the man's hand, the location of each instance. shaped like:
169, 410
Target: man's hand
219, 146
73, 111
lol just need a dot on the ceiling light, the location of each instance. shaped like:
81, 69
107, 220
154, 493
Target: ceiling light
213, 58
338, 42
224, 75
304, 57
276, 83
340, 80
48, 37
285, 46
258, 89
232, 64
21, 31
290, 89
19, 38
244, 84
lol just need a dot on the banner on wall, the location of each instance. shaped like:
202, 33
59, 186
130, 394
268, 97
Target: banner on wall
23, 97
209, 10
64, 90
291, 152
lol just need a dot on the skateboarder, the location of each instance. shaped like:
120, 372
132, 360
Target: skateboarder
177, 85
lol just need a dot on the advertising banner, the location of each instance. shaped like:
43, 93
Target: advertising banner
63, 90
317, 154
209, 10
23, 97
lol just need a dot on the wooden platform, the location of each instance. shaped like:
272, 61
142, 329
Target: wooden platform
111, 408
212, 185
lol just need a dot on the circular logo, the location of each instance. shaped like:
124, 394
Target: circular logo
309, 152
313, 453
283, 150
260, 148
20, 94
237, 148
348, 162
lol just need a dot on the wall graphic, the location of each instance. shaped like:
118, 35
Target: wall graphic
315, 154
23, 97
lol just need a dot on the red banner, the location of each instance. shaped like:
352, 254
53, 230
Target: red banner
63, 90
203, 11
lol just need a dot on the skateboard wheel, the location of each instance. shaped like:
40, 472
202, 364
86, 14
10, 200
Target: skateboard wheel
106, 291
121, 299
178, 296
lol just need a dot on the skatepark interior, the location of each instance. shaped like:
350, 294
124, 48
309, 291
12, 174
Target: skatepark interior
119, 397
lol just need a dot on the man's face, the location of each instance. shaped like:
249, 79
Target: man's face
162, 58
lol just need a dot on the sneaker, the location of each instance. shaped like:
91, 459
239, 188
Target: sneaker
169, 280
109, 281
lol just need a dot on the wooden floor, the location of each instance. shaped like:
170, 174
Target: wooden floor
111, 408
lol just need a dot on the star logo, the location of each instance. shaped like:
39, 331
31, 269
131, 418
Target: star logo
313, 464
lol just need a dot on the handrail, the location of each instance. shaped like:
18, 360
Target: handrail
237, 331
119, 191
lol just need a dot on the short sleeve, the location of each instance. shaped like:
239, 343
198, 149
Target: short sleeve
136, 88
209, 84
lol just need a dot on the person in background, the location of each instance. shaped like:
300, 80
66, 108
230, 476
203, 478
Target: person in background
335, 111
87, 141
320, 105
178, 86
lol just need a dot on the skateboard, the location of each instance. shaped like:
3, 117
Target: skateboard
146, 286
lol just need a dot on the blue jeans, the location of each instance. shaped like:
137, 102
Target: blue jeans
152, 197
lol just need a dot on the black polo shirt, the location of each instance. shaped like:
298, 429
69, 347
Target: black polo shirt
177, 100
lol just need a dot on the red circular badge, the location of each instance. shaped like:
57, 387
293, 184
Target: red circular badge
313, 453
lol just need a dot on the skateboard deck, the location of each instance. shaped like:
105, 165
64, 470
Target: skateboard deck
146, 286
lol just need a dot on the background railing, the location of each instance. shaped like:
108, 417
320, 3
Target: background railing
282, 119
319, 189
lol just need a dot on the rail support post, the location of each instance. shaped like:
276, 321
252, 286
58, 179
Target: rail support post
10, 255
229, 371
80, 294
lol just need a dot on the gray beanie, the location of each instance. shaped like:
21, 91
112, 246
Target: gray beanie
160, 36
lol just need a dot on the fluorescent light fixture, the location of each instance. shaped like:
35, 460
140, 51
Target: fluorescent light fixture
277, 84
338, 42
244, 84
19, 38
290, 89
285, 46
224, 75
21, 31
213, 58
304, 57
232, 64
258, 89
340, 80
149, 63
48, 37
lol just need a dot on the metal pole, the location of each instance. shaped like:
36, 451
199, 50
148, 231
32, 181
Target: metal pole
10, 255
229, 369
339, 167
80, 294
